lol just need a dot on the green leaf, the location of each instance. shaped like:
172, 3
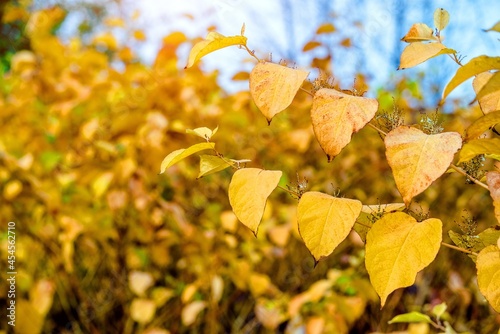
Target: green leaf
213, 42
178, 155
439, 310
411, 317
203, 132
491, 86
248, 193
482, 124
473, 67
210, 164
488, 146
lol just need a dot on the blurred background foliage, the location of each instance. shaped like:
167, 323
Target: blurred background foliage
106, 245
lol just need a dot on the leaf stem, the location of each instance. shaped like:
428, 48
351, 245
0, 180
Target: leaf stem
463, 250
306, 91
252, 53
362, 224
377, 129
461, 171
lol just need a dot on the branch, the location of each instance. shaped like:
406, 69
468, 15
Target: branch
463, 250
461, 171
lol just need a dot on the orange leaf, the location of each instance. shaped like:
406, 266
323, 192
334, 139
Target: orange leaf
419, 32
311, 45
493, 180
418, 159
273, 87
336, 116
325, 28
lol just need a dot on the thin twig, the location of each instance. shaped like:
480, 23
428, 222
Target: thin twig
306, 91
252, 53
463, 250
461, 171
377, 129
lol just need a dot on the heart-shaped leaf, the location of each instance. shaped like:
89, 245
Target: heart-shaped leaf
325, 221
493, 180
273, 87
418, 159
397, 248
248, 193
336, 116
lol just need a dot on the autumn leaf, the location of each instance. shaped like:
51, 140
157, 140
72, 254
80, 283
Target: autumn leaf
493, 180
473, 67
488, 275
495, 27
492, 86
397, 248
369, 213
488, 102
326, 28
210, 164
487, 146
418, 52
336, 116
419, 32
213, 42
482, 124
191, 311
382, 208
203, 132
410, 317
325, 221
311, 45
418, 159
441, 18
273, 87
183, 153
248, 193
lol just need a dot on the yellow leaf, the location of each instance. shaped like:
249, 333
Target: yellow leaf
139, 282
495, 27
12, 189
139, 35
311, 45
25, 310
217, 288
397, 248
210, 164
280, 234
488, 146
487, 102
183, 153
441, 18
418, 52
42, 295
213, 42
325, 28
191, 311
142, 310
493, 180
325, 221
382, 208
473, 67
482, 124
101, 184
273, 87
241, 76
336, 116
259, 284
203, 132
419, 32
418, 159
248, 193
488, 275
492, 86
114, 22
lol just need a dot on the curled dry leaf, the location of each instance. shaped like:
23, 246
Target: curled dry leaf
493, 180
213, 42
418, 159
488, 102
336, 116
419, 32
248, 193
397, 248
418, 52
488, 275
325, 221
273, 87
